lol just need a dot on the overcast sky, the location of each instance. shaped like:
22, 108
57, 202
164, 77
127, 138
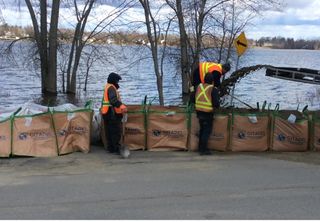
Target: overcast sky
299, 19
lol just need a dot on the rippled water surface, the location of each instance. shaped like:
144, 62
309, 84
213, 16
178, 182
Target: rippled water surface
20, 83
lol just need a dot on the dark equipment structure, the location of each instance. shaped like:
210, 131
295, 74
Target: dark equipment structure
294, 74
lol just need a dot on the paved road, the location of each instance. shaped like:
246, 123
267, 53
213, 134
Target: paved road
161, 185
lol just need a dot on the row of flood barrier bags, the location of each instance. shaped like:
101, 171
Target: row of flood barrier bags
40, 131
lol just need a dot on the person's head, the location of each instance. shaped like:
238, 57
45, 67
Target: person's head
226, 68
114, 79
216, 78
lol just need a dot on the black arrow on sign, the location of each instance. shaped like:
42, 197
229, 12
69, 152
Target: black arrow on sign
240, 43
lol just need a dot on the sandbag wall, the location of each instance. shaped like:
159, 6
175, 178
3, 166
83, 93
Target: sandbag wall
289, 135
166, 128
135, 133
156, 128
134, 128
5, 137
315, 135
33, 135
72, 130
54, 132
219, 138
250, 131
261, 130
45, 134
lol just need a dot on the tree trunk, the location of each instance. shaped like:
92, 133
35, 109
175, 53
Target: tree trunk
73, 83
48, 68
53, 45
44, 46
160, 89
185, 65
77, 46
153, 39
71, 55
38, 41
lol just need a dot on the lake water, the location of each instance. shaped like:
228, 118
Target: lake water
20, 83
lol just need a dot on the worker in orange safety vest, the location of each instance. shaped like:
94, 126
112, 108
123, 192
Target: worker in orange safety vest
204, 68
112, 110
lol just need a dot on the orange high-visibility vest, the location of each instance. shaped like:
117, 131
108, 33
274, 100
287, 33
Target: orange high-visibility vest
105, 100
208, 67
204, 98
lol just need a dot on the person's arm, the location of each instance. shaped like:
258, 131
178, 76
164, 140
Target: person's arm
113, 97
215, 98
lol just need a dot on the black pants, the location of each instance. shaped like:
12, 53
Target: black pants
113, 133
206, 125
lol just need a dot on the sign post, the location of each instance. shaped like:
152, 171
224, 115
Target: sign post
241, 44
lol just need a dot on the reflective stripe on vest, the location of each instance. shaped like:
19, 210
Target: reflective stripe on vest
204, 98
105, 104
208, 67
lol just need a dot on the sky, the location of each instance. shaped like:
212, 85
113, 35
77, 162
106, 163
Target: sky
299, 19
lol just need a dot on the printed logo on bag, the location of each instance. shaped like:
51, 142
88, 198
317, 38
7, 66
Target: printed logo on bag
62, 132
35, 135
281, 137
291, 139
132, 131
241, 135
251, 134
3, 138
23, 136
168, 133
78, 130
217, 136
73, 130
156, 133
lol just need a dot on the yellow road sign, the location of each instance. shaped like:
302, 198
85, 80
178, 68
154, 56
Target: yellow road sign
241, 43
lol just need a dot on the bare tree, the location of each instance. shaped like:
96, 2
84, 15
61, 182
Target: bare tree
47, 39
46, 43
82, 38
154, 32
184, 44
91, 57
77, 44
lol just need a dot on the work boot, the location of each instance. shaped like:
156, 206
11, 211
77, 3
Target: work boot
207, 152
111, 150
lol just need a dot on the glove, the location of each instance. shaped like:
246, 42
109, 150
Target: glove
123, 108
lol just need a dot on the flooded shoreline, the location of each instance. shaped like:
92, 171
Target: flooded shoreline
20, 83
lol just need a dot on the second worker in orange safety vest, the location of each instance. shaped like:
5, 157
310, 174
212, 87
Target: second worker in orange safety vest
206, 101
112, 110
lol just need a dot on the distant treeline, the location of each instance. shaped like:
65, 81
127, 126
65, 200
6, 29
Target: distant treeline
65, 35
13, 32
287, 43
